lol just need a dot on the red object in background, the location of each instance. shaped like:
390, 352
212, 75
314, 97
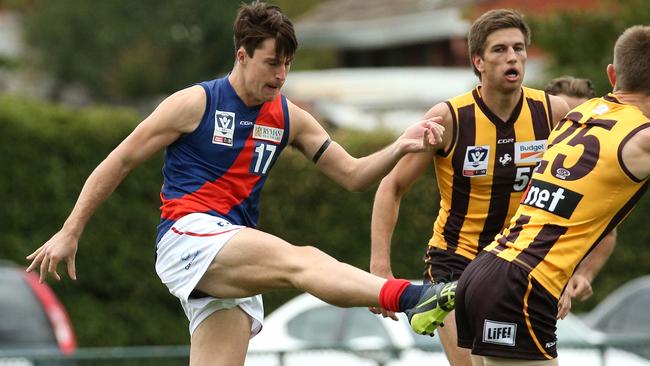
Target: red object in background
56, 314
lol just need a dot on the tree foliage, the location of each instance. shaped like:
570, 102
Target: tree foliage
581, 43
123, 50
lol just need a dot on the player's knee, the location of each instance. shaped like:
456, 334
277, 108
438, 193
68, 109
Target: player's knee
305, 259
309, 256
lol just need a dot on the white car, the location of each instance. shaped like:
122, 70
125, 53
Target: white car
308, 331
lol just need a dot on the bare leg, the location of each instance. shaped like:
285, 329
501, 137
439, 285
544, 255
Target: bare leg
221, 339
477, 360
254, 262
449, 338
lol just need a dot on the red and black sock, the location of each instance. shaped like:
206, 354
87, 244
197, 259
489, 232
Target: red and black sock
399, 295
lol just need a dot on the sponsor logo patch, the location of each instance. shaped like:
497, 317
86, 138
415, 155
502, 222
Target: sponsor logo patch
499, 333
551, 198
268, 133
187, 256
529, 152
476, 161
224, 128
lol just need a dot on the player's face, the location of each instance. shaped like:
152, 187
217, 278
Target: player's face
572, 101
264, 72
504, 60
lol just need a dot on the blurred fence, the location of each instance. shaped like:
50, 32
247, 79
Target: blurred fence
179, 355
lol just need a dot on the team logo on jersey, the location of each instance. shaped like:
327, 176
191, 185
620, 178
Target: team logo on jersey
529, 152
224, 128
505, 159
562, 173
601, 109
476, 161
268, 133
499, 332
551, 198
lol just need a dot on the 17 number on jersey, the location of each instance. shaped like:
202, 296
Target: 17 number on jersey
263, 157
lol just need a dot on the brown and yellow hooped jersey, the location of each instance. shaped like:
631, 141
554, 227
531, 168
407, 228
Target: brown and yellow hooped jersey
483, 174
578, 193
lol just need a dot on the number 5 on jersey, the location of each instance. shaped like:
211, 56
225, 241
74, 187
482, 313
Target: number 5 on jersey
522, 178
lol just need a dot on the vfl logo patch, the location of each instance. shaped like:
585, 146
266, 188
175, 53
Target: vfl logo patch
529, 152
224, 128
551, 198
499, 333
268, 133
476, 161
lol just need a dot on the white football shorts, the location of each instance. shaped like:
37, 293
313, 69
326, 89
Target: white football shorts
184, 254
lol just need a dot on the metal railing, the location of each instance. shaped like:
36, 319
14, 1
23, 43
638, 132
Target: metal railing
179, 355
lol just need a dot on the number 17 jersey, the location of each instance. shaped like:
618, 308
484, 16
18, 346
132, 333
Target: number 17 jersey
220, 167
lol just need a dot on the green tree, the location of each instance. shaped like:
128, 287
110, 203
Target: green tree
124, 49
580, 43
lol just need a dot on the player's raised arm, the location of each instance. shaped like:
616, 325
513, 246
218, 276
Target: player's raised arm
356, 174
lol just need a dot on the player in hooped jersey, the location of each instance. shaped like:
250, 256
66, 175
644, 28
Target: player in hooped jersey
494, 136
593, 173
221, 139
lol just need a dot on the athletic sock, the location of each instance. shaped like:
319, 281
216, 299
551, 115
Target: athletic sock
410, 297
399, 295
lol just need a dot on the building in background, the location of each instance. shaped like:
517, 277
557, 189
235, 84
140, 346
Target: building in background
394, 59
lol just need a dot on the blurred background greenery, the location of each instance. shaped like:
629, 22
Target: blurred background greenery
125, 55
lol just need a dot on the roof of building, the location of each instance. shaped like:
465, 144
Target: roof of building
389, 98
357, 24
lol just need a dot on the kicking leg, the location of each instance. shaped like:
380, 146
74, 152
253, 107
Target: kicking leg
254, 262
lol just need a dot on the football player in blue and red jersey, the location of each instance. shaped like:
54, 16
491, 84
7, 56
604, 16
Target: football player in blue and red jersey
220, 139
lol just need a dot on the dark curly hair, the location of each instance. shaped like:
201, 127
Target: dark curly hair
259, 21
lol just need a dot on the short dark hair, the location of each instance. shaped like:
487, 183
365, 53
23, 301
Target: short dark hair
570, 86
259, 21
490, 22
632, 60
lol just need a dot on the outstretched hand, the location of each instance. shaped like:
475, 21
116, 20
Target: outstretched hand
62, 247
425, 135
379, 310
383, 312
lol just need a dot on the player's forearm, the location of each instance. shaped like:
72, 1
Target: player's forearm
384, 218
97, 188
594, 262
369, 169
